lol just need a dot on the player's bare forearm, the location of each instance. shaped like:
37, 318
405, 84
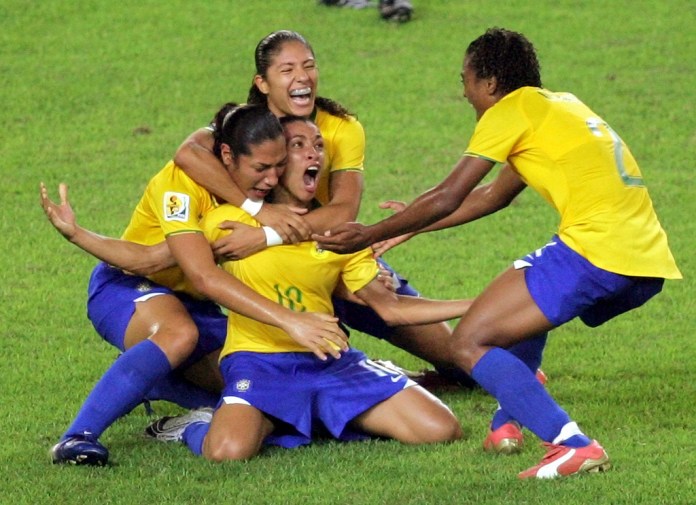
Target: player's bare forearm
319, 333
135, 258
398, 310
429, 207
483, 200
415, 310
329, 216
345, 188
195, 157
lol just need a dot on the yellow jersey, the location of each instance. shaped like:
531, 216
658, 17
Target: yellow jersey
580, 166
299, 277
344, 148
172, 203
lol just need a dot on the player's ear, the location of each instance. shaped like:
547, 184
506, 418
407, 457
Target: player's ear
492, 85
226, 155
261, 83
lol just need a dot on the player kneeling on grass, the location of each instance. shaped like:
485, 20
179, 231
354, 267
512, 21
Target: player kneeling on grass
278, 393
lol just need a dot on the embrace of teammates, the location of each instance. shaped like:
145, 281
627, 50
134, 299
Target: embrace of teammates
256, 213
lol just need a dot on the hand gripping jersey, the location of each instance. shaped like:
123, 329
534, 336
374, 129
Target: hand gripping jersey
298, 276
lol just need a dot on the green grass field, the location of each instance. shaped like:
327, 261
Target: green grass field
99, 94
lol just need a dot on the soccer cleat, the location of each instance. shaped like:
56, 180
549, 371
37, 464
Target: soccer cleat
171, 428
399, 11
82, 449
541, 376
561, 461
507, 439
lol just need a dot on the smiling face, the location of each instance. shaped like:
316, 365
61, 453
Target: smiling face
291, 80
305, 145
257, 174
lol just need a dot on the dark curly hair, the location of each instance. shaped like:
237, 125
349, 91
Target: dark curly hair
506, 55
267, 49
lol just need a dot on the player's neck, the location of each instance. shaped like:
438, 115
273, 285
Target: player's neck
281, 195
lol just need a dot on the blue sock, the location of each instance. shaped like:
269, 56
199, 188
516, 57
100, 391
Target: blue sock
577, 441
530, 353
193, 437
519, 393
176, 389
120, 389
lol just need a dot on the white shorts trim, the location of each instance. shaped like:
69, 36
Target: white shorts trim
146, 297
233, 400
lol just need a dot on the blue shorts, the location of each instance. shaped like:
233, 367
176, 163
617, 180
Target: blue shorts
565, 285
305, 396
362, 318
112, 296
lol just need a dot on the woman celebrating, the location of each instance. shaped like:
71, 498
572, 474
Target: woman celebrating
610, 253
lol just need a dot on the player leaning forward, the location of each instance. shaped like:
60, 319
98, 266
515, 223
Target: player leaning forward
610, 253
275, 391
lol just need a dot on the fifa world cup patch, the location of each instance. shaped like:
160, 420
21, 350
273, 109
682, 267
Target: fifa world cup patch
176, 206
242, 385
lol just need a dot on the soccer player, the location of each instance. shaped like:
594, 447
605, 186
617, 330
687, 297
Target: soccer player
286, 81
610, 253
275, 391
170, 319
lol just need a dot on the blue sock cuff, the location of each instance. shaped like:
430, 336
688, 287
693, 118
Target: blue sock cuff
147, 356
519, 393
194, 435
121, 388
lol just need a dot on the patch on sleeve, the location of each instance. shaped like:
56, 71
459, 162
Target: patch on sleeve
176, 206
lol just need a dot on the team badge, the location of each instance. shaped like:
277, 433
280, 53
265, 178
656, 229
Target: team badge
243, 385
144, 287
318, 253
176, 206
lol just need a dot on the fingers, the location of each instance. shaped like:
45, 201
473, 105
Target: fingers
331, 242
46, 202
43, 193
228, 225
394, 205
63, 192
379, 248
293, 230
323, 337
300, 211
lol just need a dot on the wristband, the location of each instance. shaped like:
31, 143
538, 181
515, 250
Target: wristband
252, 207
272, 237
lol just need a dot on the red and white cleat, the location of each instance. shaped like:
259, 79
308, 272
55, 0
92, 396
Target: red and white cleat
507, 439
561, 461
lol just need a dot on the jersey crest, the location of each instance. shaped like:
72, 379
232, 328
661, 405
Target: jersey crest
176, 206
243, 385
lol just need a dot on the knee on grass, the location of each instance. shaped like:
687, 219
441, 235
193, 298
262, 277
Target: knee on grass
230, 449
432, 430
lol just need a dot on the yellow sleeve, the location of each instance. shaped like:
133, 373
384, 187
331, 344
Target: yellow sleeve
178, 201
360, 270
349, 153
